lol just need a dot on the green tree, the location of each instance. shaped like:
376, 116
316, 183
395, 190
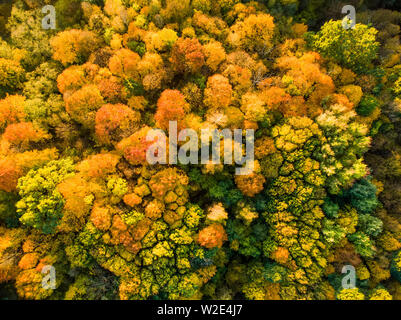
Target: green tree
41, 204
352, 48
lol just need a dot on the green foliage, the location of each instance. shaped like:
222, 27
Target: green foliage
218, 188
274, 272
27, 33
354, 48
137, 46
367, 105
397, 87
116, 227
8, 212
78, 256
330, 208
69, 13
370, 225
132, 217
248, 244
362, 196
348, 139
99, 284
332, 232
363, 245
133, 87
117, 186
11, 77
41, 204
395, 267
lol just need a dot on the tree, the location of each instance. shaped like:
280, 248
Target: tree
254, 33
41, 204
171, 106
115, 122
218, 92
11, 75
83, 104
124, 64
187, 56
215, 55
74, 46
21, 135
12, 110
134, 148
354, 48
212, 236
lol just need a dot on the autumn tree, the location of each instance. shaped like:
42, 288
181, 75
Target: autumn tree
74, 46
115, 122
171, 106
187, 56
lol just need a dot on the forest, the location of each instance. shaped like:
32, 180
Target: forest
85, 216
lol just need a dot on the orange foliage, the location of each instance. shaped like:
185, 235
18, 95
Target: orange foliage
212, 236
137, 103
83, 104
101, 217
78, 194
253, 33
154, 209
29, 159
9, 175
121, 235
129, 287
218, 92
211, 25
134, 33
75, 77
111, 88
272, 291
275, 98
10, 245
263, 147
73, 45
135, 146
99, 165
124, 63
251, 184
304, 78
29, 261
281, 255
340, 99
299, 29
292, 47
215, 55
171, 106
187, 56
239, 77
141, 229
167, 180
153, 71
11, 110
20, 135
132, 199
115, 122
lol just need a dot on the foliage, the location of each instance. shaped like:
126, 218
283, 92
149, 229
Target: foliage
77, 191
355, 48
41, 204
